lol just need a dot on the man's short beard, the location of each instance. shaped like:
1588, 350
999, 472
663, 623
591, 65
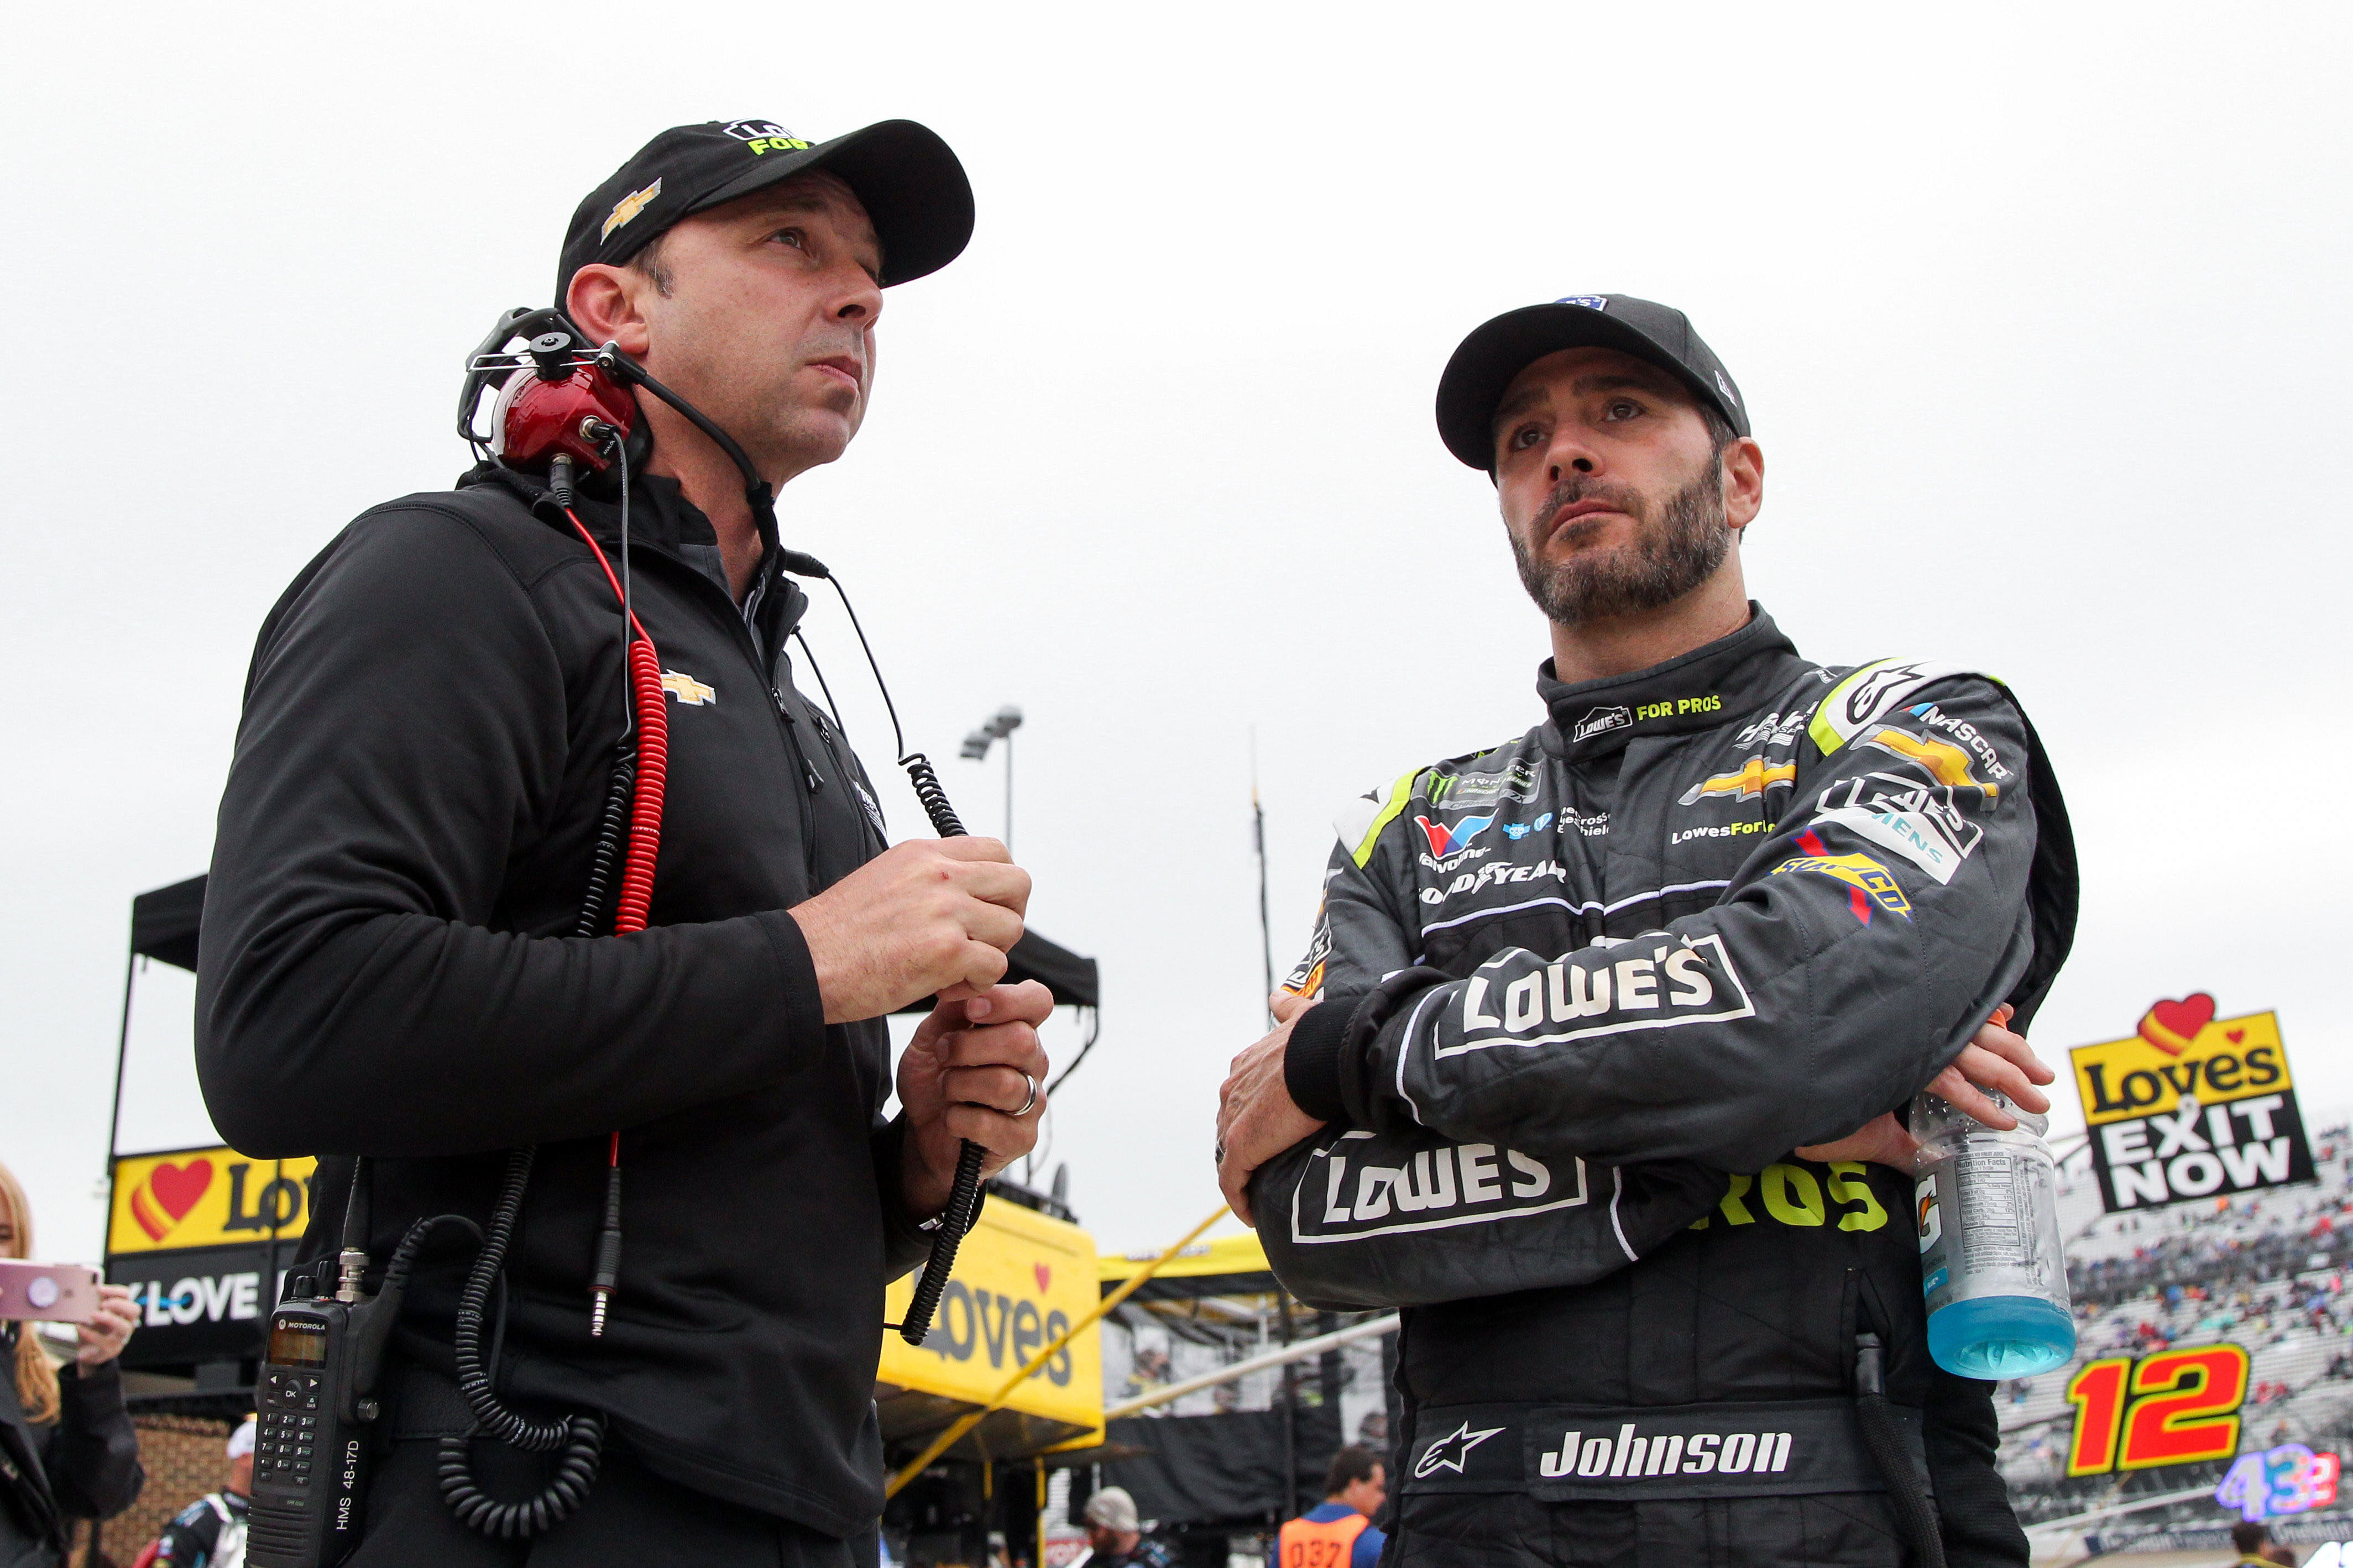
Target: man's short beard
1668, 557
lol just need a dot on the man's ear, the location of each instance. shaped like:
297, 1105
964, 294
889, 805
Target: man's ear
604, 302
1743, 482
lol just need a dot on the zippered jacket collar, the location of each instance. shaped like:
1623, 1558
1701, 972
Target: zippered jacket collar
661, 519
1700, 690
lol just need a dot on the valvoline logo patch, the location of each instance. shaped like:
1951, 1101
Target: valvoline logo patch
1451, 839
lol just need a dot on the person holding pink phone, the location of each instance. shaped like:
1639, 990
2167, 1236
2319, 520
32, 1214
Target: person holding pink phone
66, 1447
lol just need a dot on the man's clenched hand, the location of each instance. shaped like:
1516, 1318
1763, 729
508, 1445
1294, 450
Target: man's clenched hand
1995, 1058
974, 1069
1257, 1118
927, 917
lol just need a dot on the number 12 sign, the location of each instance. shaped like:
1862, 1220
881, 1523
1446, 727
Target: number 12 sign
2175, 1407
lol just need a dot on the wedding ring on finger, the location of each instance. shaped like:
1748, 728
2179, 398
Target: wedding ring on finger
1033, 1096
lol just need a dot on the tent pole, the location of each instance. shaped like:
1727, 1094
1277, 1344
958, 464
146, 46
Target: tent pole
1290, 1415
122, 1054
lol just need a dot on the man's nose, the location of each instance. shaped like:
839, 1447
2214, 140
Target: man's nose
859, 297
1571, 453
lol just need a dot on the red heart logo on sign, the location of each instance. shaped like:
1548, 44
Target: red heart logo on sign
177, 1187
1045, 1276
2172, 1026
2238, 1035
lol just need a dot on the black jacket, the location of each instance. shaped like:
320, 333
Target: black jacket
429, 727
1583, 994
84, 1465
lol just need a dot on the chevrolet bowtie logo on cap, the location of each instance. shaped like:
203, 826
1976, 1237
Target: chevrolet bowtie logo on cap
629, 206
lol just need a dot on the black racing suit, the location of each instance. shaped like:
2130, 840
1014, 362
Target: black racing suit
1581, 997
387, 970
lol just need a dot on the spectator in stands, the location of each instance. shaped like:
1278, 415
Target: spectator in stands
66, 1447
210, 1531
1116, 1534
2252, 1541
1339, 1530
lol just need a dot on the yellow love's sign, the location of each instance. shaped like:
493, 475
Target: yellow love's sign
1021, 1279
2191, 1106
206, 1197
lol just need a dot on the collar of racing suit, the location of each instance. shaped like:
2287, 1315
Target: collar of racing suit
1700, 690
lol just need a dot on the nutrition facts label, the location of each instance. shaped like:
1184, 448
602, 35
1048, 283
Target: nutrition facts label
1997, 1230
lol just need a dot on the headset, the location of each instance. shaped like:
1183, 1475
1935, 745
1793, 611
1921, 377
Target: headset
568, 409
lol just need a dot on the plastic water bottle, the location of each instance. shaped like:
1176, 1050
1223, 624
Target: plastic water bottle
1990, 1256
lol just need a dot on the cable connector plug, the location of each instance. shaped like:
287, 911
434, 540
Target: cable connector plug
350, 1266
563, 479
607, 1281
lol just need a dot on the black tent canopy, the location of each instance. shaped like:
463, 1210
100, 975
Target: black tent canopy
165, 924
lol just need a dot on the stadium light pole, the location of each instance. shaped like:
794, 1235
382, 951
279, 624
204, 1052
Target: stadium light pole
975, 749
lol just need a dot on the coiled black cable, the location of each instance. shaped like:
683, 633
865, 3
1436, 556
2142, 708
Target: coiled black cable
964, 1195
580, 1437
932, 796
607, 855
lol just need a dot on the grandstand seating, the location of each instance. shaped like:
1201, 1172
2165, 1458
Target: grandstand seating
2266, 1270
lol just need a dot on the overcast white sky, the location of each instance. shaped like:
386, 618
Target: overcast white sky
2042, 312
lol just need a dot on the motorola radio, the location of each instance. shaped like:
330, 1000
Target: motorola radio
314, 1401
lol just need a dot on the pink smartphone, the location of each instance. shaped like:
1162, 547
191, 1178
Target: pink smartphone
49, 1292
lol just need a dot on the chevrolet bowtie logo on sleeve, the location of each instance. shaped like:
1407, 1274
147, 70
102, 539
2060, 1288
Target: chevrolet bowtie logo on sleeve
1946, 764
1752, 779
686, 690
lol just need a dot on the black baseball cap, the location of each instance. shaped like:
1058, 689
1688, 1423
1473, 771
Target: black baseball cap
1490, 357
906, 177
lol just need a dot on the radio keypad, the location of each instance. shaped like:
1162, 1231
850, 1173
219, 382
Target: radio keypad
282, 1448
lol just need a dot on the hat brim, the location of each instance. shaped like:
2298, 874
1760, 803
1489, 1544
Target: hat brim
909, 180
1482, 367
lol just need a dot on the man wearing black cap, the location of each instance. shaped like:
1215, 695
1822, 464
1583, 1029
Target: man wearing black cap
1592, 1066
388, 969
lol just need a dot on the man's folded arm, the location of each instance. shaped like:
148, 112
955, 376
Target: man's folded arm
405, 735
1837, 976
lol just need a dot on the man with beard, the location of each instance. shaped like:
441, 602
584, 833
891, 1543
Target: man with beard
1594, 1066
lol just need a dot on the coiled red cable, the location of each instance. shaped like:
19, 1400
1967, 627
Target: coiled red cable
646, 810
653, 759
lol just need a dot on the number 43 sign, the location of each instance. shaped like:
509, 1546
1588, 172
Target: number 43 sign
2289, 1479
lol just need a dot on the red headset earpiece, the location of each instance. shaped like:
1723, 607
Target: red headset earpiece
562, 405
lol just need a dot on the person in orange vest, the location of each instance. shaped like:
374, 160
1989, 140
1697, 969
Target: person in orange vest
1338, 1532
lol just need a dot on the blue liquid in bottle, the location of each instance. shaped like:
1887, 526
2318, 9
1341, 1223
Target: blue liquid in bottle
1991, 1261
1997, 1337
